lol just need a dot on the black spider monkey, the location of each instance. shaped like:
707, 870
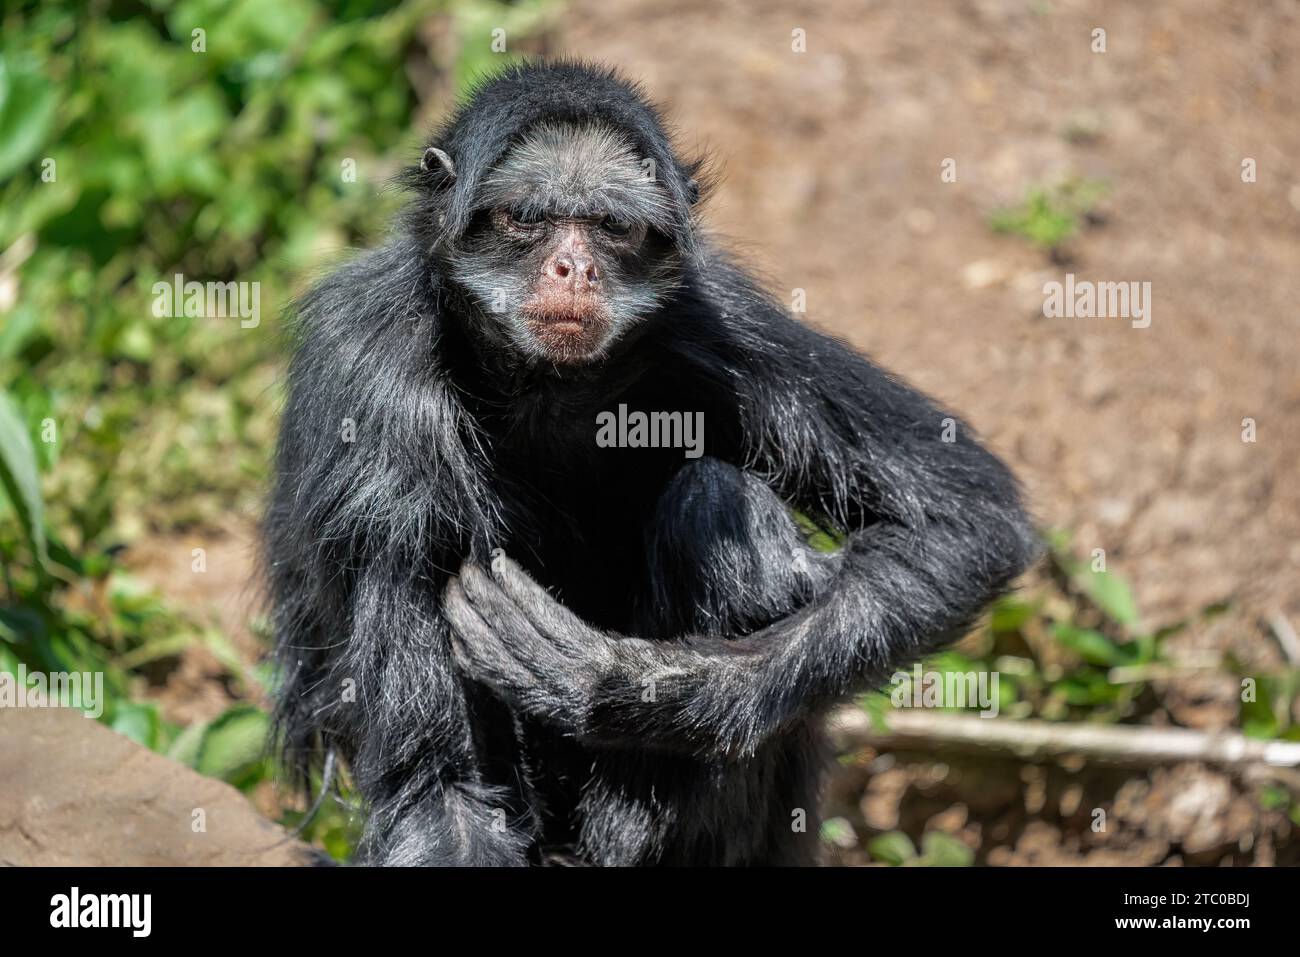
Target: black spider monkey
528, 646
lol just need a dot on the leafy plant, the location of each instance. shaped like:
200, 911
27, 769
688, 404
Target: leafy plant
1049, 216
1072, 648
937, 850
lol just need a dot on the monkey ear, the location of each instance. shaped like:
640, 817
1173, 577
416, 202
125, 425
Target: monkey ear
433, 156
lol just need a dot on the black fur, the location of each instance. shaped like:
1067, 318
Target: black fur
667, 711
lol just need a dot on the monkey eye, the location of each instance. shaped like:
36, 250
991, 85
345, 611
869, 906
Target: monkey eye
615, 226
525, 218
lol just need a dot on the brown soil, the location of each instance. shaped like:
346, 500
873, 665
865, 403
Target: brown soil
223, 596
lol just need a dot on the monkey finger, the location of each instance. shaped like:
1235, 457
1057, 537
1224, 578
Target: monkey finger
543, 610
476, 647
503, 613
501, 675
525, 681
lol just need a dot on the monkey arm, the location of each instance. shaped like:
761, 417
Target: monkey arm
413, 755
936, 528
935, 531
377, 489
898, 594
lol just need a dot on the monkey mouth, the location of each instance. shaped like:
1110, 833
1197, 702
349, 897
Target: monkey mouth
568, 332
559, 323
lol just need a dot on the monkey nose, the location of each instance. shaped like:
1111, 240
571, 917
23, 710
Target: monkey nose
576, 271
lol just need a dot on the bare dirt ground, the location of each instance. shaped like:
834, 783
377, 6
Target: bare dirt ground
1130, 438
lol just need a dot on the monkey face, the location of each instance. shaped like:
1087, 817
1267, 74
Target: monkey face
568, 246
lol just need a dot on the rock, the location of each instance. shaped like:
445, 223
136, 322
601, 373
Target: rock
73, 792
1114, 512
983, 273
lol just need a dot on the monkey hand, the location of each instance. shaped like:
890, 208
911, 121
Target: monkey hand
510, 634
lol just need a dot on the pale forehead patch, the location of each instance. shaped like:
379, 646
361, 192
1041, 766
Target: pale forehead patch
578, 170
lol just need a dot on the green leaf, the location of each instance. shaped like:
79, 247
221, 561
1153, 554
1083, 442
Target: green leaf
818, 537
839, 832
21, 325
877, 706
233, 743
1271, 798
943, 850
139, 722
19, 476
1011, 613
1092, 646
187, 745
1259, 717
165, 647
1109, 593
1087, 690
27, 102
339, 843
894, 848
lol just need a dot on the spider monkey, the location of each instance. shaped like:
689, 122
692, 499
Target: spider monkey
532, 647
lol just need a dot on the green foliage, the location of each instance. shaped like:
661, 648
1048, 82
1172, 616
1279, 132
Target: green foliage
134, 158
1073, 648
1268, 711
20, 479
1049, 216
937, 850
818, 535
892, 847
233, 746
26, 111
838, 831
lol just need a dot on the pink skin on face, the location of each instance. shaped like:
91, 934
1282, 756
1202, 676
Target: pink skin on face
566, 314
